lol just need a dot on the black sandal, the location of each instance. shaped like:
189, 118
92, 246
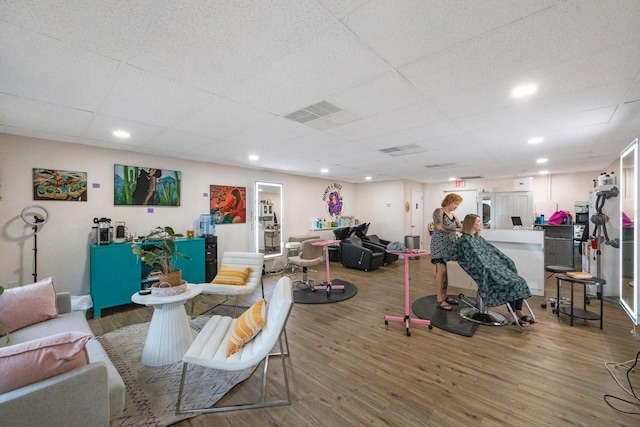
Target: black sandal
451, 301
527, 319
444, 305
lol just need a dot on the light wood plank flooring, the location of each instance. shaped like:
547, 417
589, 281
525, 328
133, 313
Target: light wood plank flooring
348, 368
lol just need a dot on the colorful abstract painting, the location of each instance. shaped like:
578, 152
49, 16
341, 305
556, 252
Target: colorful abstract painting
228, 204
135, 185
53, 184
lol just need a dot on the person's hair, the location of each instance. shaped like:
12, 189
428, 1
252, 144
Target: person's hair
450, 198
158, 173
469, 223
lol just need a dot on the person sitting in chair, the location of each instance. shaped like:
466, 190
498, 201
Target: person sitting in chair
494, 272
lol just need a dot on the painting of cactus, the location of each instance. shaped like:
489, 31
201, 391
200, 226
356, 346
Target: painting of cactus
136, 185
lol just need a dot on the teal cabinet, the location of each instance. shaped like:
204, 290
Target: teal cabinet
116, 273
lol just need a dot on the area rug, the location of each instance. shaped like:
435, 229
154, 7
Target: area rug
307, 296
152, 392
427, 308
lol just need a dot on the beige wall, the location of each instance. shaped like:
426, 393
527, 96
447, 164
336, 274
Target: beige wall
63, 242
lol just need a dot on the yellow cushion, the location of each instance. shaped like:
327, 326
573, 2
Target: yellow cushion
248, 325
229, 275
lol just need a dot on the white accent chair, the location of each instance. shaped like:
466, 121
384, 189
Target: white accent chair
236, 259
209, 349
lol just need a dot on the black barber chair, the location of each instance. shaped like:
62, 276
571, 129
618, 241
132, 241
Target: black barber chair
373, 239
361, 255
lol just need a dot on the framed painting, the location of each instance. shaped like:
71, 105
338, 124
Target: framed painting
54, 184
135, 185
228, 204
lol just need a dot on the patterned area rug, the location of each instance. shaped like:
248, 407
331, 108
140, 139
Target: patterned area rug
152, 392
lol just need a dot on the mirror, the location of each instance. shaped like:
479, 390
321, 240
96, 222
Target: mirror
484, 209
268, 217
629, 206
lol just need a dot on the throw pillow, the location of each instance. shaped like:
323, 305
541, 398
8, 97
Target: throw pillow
248, 325
25, 305
229, 275
36, 360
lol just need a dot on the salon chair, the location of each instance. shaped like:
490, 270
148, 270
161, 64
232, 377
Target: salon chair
476, 311
309, 256
389, 258
361, 255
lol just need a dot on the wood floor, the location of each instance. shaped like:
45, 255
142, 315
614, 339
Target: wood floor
347, 368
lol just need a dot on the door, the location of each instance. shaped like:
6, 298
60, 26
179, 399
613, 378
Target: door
417, 212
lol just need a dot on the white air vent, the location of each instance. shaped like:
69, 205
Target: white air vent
403, 150
440, 165
470, 177
312, 112
323, 115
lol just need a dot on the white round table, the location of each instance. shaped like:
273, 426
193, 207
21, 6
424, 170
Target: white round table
169, 335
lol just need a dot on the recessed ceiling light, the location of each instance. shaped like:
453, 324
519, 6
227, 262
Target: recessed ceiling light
535, 140
121, 134
542, 160
544, 172
254, 157
524, 90
324, 170
452, 179
368, 178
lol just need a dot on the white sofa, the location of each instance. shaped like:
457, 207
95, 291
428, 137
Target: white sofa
91, 395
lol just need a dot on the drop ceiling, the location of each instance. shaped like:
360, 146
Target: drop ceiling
421, 89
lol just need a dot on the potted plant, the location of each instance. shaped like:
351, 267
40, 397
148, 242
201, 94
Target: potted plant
161, 254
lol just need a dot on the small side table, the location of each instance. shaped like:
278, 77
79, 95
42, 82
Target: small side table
555, 302
577, 312
328, 286
169, 335
407, 320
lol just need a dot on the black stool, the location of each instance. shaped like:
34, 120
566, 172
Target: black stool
555, 302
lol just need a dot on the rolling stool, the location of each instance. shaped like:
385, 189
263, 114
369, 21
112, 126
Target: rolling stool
293, 249
553, 269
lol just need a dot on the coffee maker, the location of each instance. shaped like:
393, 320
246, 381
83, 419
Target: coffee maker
103, 230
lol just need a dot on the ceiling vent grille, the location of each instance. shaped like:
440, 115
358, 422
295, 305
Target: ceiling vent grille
471, 177
439, 165
403, 150
313, 112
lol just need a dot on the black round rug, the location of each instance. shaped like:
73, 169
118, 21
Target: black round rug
307, 296
427, 308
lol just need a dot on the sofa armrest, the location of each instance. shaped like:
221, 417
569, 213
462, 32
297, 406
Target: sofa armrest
63, 302
77, 397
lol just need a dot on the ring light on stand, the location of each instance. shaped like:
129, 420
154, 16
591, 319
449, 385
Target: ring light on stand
35, 216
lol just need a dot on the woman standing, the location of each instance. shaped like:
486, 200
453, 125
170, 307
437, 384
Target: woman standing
446, 225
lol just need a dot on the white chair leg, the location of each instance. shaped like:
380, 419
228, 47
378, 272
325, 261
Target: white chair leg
262, 403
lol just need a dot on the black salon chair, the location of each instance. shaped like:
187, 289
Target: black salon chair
361, 255
360, 230
373, 239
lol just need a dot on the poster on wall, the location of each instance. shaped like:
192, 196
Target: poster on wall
135, 185
54, 184
228, 204
333, 199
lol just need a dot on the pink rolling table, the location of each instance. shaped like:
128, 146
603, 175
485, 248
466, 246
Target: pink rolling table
328, 286
407, 317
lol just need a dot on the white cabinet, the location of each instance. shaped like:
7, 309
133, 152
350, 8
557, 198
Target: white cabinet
512, 203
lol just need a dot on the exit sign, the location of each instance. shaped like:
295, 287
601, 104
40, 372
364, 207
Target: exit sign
459, 183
